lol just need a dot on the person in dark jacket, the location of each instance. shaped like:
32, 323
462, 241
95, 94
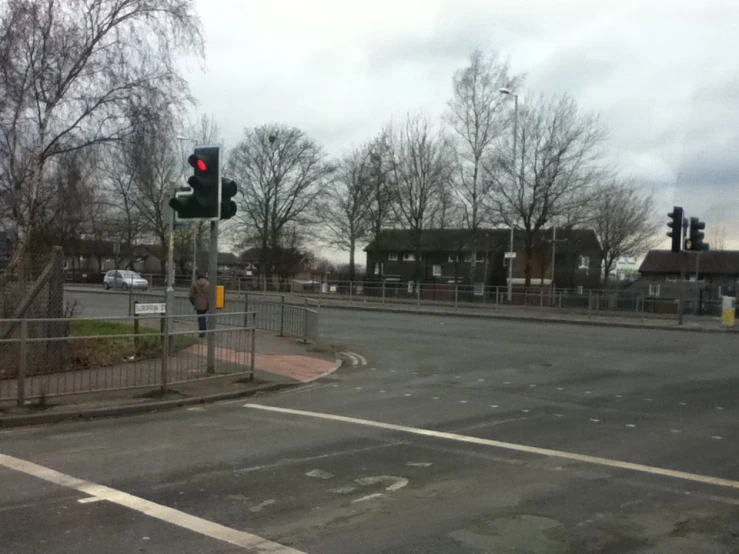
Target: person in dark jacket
199, 294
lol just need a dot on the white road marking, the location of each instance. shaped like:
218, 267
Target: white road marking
407, 394
608, 462
506, 382
352, 358
481, 380
588, 392
419, 464
383, 390
335, 385
196, 409
343, 490
595, 420
319, 474
362, 359
683, 403
532, 386
89, 500
674, 430
396, 483
719, 408
619, 396
525, 411
560, 388
151, 509
262, 505
357, 388
630, 425
493, 405
368, 497
717, 437
649, 399
435, 398
463, 401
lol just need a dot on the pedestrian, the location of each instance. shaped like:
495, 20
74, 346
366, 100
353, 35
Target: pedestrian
199, 294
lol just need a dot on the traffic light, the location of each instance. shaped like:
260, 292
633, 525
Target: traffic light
229, 188
203, 202
676, 224
696, 235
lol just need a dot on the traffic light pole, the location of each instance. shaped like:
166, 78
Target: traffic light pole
212, 291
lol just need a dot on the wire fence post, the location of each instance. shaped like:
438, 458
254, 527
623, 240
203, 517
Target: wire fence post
165, 351
541, 297
282, 316
253, 344
383, 291
497, 297
22, 364
246, 310
351, 286
136, 345
305, 321
418, 294
456, 295
130, 300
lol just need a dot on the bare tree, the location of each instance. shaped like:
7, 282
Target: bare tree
380, 182
345, 209
716, 236
558, 162
624, 221
281, 172
476, 115
420, 170
68, 71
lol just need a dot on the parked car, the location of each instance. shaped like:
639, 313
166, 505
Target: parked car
124, 279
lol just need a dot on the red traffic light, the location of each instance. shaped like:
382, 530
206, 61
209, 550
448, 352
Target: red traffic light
198, 163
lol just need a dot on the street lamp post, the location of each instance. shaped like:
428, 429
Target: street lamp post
511, 261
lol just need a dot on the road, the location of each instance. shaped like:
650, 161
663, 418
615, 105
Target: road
459, 435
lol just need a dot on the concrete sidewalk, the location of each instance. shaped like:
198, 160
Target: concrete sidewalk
279, 362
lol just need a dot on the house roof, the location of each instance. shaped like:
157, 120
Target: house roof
460, 240
716, 262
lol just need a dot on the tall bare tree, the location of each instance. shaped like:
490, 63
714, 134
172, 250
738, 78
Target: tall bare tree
420, 170
557, 166
68, 70
380, 181
476, 115
624, 221
281, 172
345, 209
716, 236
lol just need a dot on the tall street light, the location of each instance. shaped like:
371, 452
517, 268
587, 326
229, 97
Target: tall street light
511, 261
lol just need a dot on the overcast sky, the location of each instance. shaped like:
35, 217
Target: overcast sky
663, 75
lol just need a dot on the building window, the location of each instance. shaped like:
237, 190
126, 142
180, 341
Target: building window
437, 270
654, 290
453, 260
409, 257
583, 262
481, 256
479, 289
392, 257
671, 279
468, 258
579, 289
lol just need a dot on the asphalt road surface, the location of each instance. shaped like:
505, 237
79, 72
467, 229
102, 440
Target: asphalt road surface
458, 435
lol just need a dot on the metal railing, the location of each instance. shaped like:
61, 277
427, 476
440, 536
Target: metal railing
52, 357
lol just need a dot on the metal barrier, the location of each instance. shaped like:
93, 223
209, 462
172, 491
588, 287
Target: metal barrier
71, 356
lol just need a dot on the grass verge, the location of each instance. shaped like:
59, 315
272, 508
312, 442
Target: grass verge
103, 350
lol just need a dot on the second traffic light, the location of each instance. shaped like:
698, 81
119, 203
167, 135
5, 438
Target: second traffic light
229, 188
694, 242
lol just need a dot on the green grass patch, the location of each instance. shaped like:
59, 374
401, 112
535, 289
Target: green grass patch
103, 351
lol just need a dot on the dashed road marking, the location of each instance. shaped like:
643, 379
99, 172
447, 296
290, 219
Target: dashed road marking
595, 420
435, 398
207, 528
383, 391
719, 408
558, 415
419, 464
584, 458
717, 437
89, 500
675, 431
525, 411
407, 394
368, 497
683, 403
560, 388
319, 474
463, 401
630, 425
493, 405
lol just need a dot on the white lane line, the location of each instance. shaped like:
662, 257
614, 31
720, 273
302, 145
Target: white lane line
595, 420
319, 474
89, 500
493, 405
630, 425
463, 401
362, 359
151, 509
352, 358
419, 464
641, 468
368, 497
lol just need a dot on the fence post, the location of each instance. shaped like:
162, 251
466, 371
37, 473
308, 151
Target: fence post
130, 300
526, 297
590, 302
497, 296
253, 343
541, 297
135, 330
22, 364
418, 294
456, 295
165, 352
305, 322
246, 309
383, 291
282, 316
351, 287
292, 286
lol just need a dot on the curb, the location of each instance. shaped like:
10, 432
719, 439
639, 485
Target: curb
338, 362
528, 319
7, 422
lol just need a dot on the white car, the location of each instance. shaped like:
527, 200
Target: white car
124, 279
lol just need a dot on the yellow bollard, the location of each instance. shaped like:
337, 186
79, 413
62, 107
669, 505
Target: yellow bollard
220, 296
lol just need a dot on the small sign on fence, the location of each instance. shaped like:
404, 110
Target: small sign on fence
146, 309
509, 255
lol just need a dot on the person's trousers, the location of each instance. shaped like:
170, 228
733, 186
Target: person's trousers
202, 321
